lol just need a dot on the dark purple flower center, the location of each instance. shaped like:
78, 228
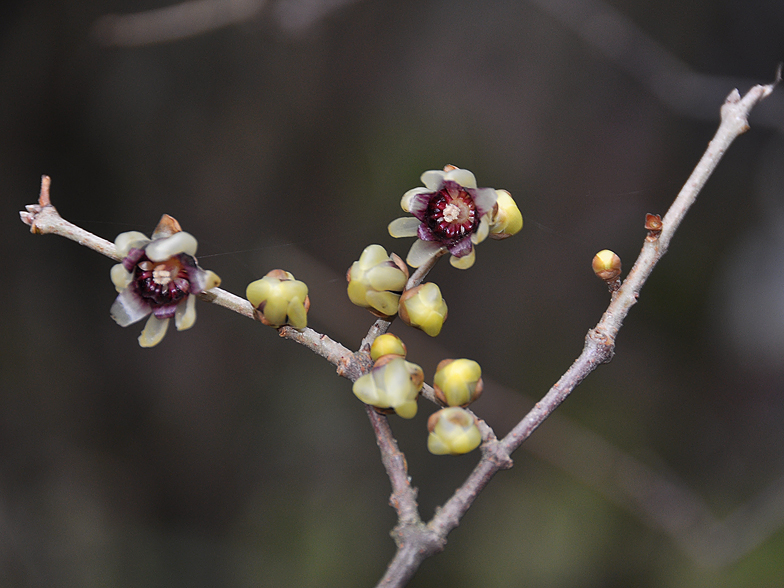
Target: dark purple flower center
162, 283
451, 213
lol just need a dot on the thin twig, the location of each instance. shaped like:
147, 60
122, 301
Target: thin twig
600, 341
415, 540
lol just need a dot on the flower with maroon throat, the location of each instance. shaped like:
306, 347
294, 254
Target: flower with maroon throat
449, 212
158, 277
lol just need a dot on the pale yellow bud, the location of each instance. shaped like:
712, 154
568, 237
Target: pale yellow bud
424, 308
453, 431
280, 300
458, 382
387, 344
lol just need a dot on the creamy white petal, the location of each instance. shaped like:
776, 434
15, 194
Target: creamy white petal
433, 179
128, 308
421, 251
405, 226
163, 249
482, 231
464, 262
462, 176
484, 199
153, 332
120, 277
185, 315
405, 201
125, 241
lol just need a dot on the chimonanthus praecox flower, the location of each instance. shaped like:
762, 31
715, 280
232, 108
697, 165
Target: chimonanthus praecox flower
279, 300
453, 431
376, 281
450, 211
458, 382
393, 384
158, 277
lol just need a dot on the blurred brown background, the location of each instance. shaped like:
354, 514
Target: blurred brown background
226, 457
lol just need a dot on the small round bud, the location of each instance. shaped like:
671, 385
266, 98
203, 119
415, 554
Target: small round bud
458, 382
606, 265
654, 226
376, 281
387, 344
453, 431
280, 300
505, 218
393, 383
423, 308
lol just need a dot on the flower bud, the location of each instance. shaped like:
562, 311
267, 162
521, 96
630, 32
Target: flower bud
458, 382
453, 431
280, 300
423, 308
387, 344
505, 218
606, 265
376, 281
393, 383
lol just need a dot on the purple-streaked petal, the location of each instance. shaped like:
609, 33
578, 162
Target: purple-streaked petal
484, 199
462, 176
203, 280
424, 233
417, 205
132, 257
164, 312
129, 308
405, 226
463, 262
163, 249
153, 332
462, 247
433, 179
421, 251
405, 201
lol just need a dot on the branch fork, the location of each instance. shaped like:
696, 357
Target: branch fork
415, 539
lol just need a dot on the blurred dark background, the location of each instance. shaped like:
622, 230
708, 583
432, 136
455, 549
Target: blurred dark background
226, 457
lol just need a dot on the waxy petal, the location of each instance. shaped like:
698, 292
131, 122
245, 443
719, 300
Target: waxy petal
387, 278
405, 226
482, 231
462, 247
405, 201
163, 249
464, 262
129, 308
125, 241
484, 199
433, 179
120, 277
153, 332
203, 280
462, 176
185, 315
297, 316
383, 302
421, 251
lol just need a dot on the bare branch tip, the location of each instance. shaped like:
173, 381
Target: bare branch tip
43, 197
